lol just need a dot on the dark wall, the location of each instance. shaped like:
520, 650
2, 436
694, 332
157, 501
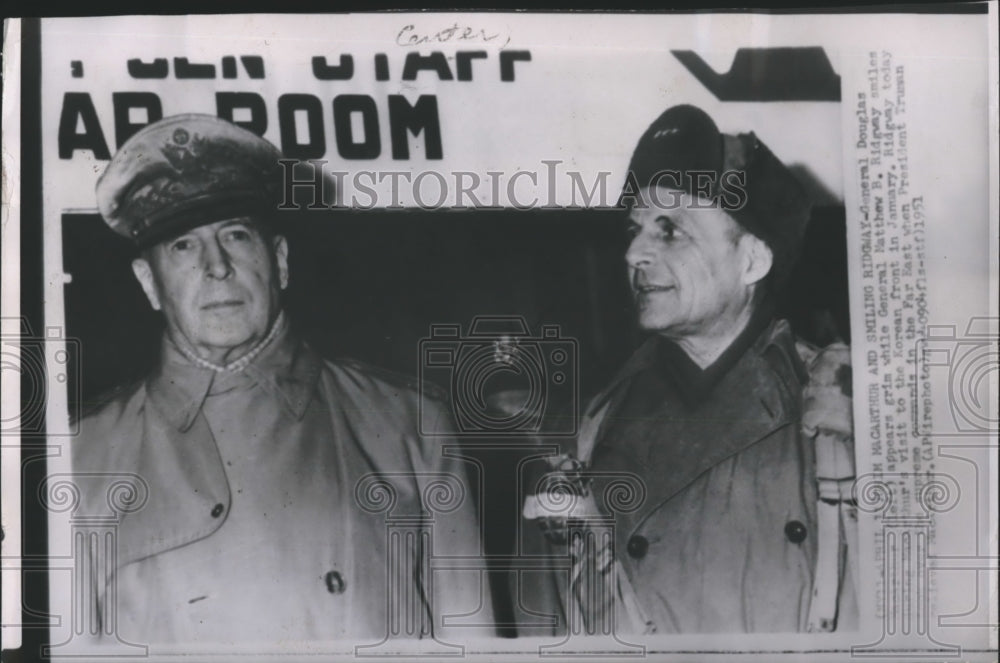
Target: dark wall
369, 285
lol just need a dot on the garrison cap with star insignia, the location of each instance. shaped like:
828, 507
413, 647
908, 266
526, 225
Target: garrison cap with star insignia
186, 171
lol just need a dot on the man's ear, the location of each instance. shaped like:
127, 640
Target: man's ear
144, 274
757, 258
281, 259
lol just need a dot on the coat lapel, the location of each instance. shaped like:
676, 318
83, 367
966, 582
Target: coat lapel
603, 407
702, 442
185, 480
744, 408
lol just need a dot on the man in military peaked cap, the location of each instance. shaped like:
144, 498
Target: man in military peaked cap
707, 415
258, 468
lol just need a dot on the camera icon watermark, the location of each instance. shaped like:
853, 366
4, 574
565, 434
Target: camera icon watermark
502, 380
967, 362
40, 362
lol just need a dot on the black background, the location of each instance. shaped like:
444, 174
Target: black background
369, 285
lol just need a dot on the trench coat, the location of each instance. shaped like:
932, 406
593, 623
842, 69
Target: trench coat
336, 537
724, 539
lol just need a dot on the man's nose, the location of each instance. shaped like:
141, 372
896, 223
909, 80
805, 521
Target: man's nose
639, 252
217, 263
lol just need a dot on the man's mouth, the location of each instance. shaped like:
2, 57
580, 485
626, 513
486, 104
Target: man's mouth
222, 304
646, 289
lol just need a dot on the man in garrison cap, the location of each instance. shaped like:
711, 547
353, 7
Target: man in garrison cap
706, 419
261, 478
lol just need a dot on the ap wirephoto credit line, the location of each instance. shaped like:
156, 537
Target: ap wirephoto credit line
501, 336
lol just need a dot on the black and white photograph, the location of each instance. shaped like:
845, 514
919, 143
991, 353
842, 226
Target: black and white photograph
501, 335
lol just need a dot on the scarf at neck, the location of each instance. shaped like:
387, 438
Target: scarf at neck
244, 360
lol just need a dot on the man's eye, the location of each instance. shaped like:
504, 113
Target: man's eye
182, 245
632, 230
668, 230
238, 234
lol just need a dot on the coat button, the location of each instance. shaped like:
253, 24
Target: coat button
637, 546
217, 510
335, 583
795, 531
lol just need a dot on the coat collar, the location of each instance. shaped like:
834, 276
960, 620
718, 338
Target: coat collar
694, 383
287, 368
761, 332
